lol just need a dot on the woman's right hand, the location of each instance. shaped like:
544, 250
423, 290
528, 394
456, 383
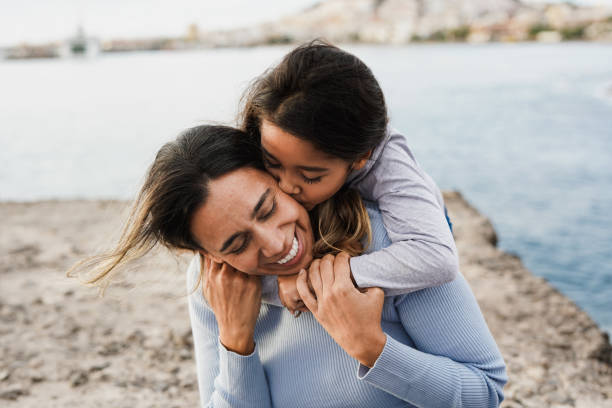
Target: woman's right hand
351, 316
235, 299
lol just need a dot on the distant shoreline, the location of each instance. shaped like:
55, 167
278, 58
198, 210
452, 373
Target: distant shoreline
50, 52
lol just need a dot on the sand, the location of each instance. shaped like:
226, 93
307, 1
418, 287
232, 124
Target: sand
63, 346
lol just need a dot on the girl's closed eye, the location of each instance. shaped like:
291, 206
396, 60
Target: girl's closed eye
308, 180
311, 180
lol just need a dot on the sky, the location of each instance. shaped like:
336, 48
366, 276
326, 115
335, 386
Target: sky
40, 21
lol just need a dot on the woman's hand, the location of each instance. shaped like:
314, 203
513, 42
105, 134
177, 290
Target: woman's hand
235, 299
289, 295
350, 316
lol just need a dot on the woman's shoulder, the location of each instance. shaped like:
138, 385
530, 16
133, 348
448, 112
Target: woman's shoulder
380, 238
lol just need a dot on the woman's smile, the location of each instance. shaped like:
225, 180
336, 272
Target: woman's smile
295, 253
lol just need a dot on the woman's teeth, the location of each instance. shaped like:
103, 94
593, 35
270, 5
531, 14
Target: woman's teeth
291, 254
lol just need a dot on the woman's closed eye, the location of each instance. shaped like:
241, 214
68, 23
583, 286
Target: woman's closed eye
263, 216
270, 212
243, 246
270, 164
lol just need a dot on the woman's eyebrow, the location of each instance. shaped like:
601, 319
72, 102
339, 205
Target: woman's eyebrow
262, 200
229, 241
256, 209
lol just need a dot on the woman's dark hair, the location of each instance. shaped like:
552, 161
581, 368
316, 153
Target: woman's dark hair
321, 94
176, 185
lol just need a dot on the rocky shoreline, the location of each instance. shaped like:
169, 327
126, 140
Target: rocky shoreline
62, 346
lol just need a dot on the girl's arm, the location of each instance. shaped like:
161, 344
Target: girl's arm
422, 252
454, 362
225, 378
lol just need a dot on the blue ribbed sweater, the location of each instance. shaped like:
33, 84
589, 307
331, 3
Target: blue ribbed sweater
439, 353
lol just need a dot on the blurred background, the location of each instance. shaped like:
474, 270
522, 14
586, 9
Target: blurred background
507, 101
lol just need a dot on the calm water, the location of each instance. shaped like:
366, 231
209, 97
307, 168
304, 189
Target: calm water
524, 131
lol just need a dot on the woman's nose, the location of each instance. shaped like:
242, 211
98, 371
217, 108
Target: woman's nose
288, 186
272, 242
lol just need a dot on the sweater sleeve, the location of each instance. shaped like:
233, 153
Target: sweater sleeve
422, 253
225, 378
454, 362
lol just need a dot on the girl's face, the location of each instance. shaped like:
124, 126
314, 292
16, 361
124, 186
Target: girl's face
249, 223
305, 173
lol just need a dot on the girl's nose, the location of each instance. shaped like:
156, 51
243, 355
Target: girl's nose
288, 186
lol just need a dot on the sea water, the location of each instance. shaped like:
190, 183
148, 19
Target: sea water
524, 131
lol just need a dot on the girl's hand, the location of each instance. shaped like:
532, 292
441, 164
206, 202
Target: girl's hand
350, 316
235, 299
289, 295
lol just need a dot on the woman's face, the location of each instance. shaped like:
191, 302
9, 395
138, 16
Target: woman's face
249, 223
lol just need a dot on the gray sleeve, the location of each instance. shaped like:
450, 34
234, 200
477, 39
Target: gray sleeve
454, 362
423, 252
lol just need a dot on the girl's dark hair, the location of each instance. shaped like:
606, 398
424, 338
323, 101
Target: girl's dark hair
176, 185
321, 94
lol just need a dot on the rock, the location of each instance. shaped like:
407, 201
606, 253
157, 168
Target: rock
603, 351
13, 393
553, 350
185, 354
36, 378
99, 367
78, 378
112, 348
161, 386
555, 354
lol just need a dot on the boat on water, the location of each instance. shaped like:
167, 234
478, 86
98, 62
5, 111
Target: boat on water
80, 45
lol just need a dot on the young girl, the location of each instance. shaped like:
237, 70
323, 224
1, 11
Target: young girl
321, 119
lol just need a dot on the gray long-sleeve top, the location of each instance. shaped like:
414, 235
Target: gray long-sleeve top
423, 252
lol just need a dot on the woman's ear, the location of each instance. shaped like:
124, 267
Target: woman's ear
360, 162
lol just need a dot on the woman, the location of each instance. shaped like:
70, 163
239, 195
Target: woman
206, 192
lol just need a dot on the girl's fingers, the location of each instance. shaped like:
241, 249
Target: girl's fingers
289, 304
307, 296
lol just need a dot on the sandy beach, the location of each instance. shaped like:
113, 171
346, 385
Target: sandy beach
61, 345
